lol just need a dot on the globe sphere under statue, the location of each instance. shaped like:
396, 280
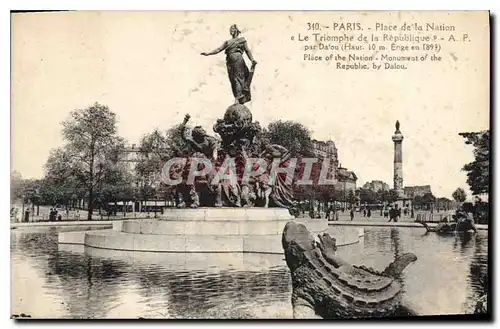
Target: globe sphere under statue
238, 113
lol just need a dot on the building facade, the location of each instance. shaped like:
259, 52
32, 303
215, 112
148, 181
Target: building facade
376, 185
326, 150
346, 179
413, 191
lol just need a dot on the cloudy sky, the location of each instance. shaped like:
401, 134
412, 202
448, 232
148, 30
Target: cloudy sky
147, 68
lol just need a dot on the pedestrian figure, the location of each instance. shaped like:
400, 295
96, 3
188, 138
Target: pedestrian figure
369, 213
364, 212
329, 212
392, 214
352, 213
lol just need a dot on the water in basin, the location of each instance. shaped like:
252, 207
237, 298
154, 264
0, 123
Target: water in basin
51, 281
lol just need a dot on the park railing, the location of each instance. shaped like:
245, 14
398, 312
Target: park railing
428, 217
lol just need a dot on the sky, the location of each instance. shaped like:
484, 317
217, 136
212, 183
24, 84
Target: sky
147, 68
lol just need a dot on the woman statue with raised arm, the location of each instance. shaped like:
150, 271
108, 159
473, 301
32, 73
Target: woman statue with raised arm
239, 75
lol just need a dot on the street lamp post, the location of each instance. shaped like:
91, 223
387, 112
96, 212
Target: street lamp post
73, 201
37, 199
22, 211
343, 195
100, 165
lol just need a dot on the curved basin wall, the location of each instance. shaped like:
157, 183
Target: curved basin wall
208, 230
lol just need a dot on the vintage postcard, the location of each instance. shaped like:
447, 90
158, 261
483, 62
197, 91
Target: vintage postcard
250, 164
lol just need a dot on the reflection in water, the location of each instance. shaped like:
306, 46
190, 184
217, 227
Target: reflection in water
478, 272
395, 242
78, 282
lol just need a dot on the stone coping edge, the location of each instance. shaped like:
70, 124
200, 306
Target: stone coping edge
481, 227
68, 223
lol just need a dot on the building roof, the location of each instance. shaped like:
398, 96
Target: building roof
343, 173
327, 144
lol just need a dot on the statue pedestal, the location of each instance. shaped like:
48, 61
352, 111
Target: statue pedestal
211, 230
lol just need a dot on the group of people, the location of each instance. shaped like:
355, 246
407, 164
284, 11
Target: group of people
333, 213
54, 215
394, 213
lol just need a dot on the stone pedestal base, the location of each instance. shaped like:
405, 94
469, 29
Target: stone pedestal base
210, 230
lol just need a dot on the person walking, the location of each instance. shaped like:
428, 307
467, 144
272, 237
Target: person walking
27, 215
392, 214
329, 213
352, 214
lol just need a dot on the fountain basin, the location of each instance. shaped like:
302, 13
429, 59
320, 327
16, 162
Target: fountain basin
219, 230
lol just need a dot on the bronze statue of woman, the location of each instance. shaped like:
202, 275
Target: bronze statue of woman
239, 74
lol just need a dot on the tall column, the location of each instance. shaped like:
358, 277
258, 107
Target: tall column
397, 138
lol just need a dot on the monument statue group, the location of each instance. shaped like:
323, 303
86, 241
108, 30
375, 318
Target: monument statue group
241, 139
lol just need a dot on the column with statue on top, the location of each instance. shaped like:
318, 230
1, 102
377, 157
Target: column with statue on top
402, 201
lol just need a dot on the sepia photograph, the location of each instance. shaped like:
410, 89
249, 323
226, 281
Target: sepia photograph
250, 165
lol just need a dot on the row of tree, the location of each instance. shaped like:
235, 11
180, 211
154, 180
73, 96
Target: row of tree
92, 165
478, 174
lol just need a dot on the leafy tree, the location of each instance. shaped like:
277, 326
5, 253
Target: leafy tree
154, 150
16, 186
351, 198
53, 192
444, 203
25, 189
174, 142
92, 147
478, 171
459, 195
367, 196
117, 185
481, 212
428, 198
292, 135
60, 180
393, 196
383, 196
417, 201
